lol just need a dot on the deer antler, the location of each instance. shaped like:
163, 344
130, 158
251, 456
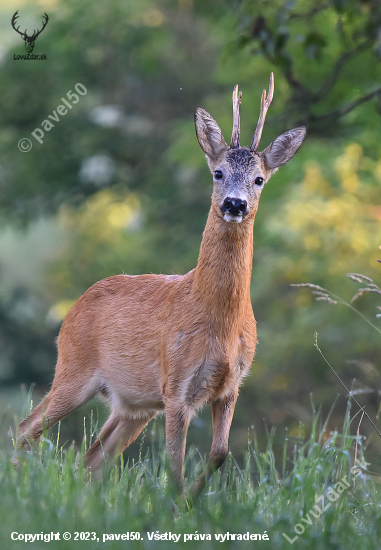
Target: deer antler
13, 22
234, 144
23, 34
44, 25
265, 104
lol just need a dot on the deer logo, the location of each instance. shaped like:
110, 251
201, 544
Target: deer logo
29, 40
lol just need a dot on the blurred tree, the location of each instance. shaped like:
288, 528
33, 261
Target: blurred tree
329, 53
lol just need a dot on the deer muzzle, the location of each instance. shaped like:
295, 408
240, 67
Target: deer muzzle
234, 210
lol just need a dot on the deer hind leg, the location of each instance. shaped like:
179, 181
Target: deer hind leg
117, 434
63, 398
222, 414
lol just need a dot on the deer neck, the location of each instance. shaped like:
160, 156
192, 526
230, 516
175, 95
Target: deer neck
221, 279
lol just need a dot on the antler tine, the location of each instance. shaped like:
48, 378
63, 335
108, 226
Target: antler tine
43, 26
13, 22
234, 144
15, 16
265, 104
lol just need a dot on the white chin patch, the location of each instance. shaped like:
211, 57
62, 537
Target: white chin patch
233, 219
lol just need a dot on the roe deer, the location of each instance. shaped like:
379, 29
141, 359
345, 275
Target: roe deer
153, 343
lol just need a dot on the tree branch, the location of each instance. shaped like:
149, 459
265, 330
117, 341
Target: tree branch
340, 63
338, 113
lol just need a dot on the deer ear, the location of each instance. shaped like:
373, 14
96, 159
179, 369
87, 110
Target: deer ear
283, 148
209, 134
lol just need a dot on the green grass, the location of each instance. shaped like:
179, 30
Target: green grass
48, 493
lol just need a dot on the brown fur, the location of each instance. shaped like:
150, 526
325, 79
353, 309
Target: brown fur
153, 343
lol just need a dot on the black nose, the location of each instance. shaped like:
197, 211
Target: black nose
235, 207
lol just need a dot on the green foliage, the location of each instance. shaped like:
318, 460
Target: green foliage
322, 49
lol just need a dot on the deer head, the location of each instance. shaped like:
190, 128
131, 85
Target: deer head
29, 40
239, 173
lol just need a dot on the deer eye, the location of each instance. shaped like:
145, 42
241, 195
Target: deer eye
258, 181
218, 174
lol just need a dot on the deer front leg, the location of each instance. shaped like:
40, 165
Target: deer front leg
222, 414
177, 422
